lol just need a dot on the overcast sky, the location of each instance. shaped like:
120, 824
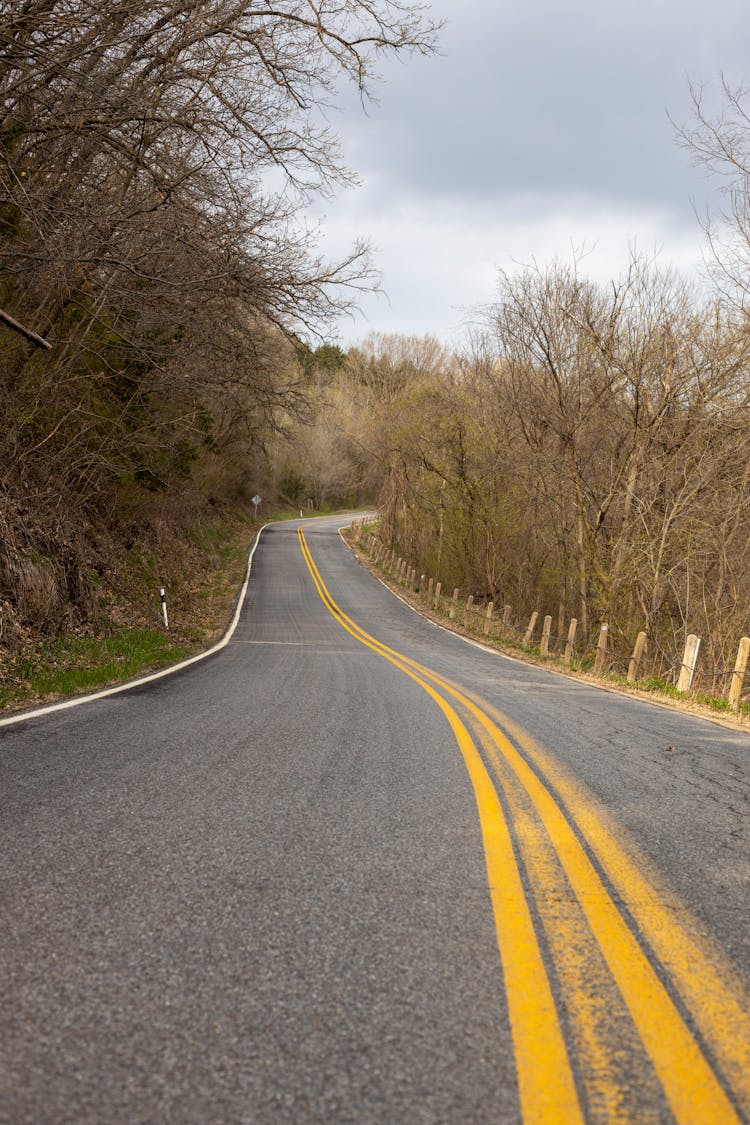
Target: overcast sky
538, 127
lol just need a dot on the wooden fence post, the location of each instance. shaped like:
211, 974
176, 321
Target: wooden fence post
635, 660
506, 616
454, 604
530, 630
546, 630
738, 676
438, 587
601, 649
467, 608
488, 616
430, 586
689, 661
571, 638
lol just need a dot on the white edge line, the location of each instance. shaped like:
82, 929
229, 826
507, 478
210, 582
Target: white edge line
78, 700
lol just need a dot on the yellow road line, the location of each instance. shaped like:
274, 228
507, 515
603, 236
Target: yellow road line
709, 986
601, 1031
694, 1093
547, 1090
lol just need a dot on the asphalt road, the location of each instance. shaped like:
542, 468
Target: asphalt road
313, 879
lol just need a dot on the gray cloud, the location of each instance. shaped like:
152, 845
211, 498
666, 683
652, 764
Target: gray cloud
540, 126
547, 99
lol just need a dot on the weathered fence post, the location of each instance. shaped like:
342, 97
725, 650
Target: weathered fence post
738, 676
454, 604
601, 649
506, 616
430, 586
530, 630
488, 616
569, 644
438, 588
635, 660
689, 661
467, 608
546, 631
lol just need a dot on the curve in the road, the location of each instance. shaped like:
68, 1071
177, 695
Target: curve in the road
609, 941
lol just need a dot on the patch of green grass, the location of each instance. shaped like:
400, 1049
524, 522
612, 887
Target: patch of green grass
714, 702
660, 686
71, 664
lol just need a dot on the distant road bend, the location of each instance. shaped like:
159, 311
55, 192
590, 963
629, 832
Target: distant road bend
353, 869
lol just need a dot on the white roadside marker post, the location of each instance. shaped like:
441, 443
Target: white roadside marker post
163, 596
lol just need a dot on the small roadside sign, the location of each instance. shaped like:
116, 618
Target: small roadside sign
256, 501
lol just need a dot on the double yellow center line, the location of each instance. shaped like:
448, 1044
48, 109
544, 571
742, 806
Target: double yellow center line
585, 942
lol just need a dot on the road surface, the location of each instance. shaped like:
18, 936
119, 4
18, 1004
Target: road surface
353, 869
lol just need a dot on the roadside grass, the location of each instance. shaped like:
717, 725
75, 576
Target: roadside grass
71, 665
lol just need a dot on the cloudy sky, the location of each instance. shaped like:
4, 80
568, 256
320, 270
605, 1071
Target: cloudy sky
539, 127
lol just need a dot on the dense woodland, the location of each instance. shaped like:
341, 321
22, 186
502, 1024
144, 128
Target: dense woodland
586, 452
